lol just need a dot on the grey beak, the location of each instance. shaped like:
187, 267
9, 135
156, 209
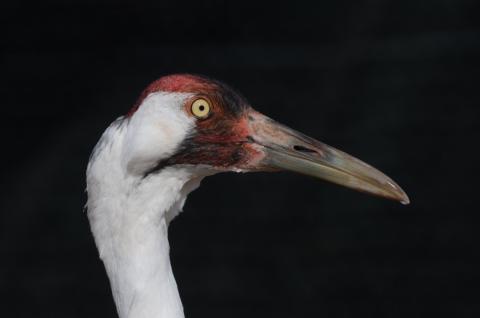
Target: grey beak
287, 149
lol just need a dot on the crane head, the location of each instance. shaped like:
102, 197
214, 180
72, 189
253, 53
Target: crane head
192, 120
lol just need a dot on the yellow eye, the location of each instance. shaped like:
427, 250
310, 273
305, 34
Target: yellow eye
201, 108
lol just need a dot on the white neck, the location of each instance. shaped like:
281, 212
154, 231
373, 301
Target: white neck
129, 218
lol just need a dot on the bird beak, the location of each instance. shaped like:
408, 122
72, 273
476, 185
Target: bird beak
286, 149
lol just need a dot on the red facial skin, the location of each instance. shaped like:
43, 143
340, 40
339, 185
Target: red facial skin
177, 83
222, 139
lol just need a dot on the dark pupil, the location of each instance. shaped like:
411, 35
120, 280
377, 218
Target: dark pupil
201, 107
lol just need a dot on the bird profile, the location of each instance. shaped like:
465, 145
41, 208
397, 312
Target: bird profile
182, 129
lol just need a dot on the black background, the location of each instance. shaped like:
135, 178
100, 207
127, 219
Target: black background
394, 83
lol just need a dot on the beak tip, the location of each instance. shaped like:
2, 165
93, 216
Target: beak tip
402, 197
405, 200
397, 193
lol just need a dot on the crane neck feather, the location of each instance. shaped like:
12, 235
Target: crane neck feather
129, 217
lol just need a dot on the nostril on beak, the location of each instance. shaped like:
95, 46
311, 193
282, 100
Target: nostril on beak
303, 149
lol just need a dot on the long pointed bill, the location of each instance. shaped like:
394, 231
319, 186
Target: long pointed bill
287, 149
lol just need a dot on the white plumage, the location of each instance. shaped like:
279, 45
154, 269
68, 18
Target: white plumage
129, 215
